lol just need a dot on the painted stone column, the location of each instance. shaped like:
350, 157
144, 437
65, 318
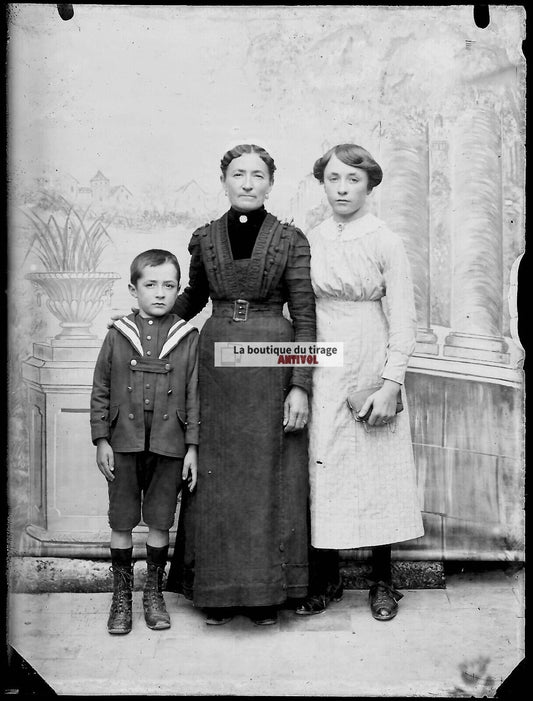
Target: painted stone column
405, 207
439, 224
477, 261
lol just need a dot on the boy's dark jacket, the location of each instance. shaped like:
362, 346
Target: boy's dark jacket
117, 410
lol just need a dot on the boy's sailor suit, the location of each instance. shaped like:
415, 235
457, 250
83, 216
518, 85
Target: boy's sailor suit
129, 380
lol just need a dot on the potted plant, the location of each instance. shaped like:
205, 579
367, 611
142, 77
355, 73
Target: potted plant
70, 250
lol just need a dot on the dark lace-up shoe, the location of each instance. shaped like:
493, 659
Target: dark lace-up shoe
383, 601
119, 621
155, 611
318, 603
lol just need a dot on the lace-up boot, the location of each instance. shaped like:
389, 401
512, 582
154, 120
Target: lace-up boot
155, 611
119, 621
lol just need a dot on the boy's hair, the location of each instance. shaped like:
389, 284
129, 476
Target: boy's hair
155, 256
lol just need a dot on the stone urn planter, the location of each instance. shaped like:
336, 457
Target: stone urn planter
69, 245
75, 298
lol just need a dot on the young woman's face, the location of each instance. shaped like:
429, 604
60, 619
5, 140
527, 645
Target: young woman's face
247, 182
346, 188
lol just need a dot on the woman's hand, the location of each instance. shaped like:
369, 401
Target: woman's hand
114, 317
190, 467
295, 410
383, 403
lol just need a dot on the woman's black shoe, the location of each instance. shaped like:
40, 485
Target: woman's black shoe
264, 615
218, 616
318, 603
383, 601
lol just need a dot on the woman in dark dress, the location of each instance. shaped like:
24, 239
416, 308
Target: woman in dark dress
243, 534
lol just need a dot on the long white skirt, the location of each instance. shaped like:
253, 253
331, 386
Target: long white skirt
362, 478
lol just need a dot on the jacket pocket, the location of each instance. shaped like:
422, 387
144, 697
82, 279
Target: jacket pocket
182, 418
113, 414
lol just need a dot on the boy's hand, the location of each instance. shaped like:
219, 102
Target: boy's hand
105, 459
114, 317
190, 467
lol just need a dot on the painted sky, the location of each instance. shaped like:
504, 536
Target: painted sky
153, 95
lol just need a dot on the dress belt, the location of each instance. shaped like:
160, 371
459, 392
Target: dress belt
240, 309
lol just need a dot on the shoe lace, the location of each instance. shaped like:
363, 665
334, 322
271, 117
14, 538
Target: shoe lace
119, 601
383, 593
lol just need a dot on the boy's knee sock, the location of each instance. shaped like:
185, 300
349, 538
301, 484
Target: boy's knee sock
157, 556
121, 557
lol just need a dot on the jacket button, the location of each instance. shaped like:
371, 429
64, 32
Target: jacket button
167, 366
150, 321
165, 417
282, 547
169, 391
147, 401
133, 362
148, 338
131, 416
148, 352
130, 389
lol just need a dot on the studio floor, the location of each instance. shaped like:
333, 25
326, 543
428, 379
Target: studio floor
464, 640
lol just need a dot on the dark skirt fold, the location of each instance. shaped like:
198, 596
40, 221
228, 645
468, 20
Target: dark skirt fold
242, 537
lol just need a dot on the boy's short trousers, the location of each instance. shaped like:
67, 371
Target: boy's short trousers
146, 485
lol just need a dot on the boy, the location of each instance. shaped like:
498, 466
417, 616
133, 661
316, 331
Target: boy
145, 425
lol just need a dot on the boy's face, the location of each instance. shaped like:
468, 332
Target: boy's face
156, 290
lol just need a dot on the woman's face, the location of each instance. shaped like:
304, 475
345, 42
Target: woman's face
346, 189
247, 182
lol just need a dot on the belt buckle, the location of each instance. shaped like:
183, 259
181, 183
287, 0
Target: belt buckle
240, 310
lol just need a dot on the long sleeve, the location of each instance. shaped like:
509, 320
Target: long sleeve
400, 310
100, 420
300, 301
192, 399
196, 295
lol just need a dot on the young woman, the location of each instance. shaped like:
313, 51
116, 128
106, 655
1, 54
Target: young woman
362, 476
249, 513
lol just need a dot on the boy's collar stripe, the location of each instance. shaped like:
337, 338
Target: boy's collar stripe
132, 334
132, 324
175, 327
181, 329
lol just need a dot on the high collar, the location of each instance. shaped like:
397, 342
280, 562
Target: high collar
256, 216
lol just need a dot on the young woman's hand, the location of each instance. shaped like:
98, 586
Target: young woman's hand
105, 459
383, 403
190, 467
295, 410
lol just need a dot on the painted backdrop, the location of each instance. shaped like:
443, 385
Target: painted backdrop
117, 121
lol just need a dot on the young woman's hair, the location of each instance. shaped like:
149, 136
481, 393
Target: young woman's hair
155, 256
352, 155
237, 151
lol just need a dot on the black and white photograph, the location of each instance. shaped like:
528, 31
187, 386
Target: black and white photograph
263, 266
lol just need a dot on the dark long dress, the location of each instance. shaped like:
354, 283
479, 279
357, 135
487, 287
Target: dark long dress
243, 535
